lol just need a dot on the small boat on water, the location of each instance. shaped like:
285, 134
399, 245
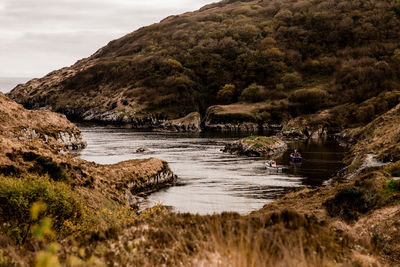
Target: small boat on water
295, 157
271, 166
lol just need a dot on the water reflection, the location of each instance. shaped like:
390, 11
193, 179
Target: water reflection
212, 181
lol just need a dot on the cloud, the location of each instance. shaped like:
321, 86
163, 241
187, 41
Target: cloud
39, 36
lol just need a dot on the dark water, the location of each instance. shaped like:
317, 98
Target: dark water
209, 180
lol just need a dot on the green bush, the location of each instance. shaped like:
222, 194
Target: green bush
252, 94
17, 195
350, 202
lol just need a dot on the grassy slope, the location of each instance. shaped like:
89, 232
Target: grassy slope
350, 49
80, 197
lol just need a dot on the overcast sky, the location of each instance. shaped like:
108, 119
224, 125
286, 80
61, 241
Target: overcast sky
38, 36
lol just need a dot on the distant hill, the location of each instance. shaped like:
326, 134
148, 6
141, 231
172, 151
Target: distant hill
297, 57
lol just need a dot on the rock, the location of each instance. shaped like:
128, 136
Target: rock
142, 150
257, 146
303, 128
71, 141
189, 123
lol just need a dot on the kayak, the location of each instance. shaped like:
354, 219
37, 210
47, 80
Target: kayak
271, 165
296, 159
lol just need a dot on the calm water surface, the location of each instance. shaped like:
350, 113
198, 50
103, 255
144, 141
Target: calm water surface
211, 181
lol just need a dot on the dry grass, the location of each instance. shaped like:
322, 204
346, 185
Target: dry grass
380, 137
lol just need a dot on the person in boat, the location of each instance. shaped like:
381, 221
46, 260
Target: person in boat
272, 164
295, 154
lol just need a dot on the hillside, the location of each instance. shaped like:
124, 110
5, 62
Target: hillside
294, 57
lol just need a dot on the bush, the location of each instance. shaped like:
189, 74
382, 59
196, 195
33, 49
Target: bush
45, 165
350, 202
225, 95
309, 100
17, 195
393, 186
291, 80
252, 94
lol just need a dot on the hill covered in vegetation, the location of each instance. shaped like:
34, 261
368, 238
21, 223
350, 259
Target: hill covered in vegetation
294, 57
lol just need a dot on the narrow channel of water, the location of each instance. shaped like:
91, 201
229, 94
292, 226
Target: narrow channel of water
209, 180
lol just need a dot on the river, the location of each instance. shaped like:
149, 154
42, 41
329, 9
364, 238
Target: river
211, 181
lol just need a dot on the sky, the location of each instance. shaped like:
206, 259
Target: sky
39, 36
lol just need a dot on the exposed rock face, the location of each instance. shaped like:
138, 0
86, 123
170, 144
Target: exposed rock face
135, 195
71, 140
257, 146
129, 181
239, 127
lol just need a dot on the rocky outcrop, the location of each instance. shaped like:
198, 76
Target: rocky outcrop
71, 141
237, 127
134, 195
303, 128
190, 123
257, 146
43, 131
240, 117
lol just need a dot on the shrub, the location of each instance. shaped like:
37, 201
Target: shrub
174, 63
17, 195
252, 94
393, 186
225, 95
309, 100
284, 15
291, 80
45, 165
350, 202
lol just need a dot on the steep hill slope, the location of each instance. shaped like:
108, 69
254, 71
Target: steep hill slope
336, 51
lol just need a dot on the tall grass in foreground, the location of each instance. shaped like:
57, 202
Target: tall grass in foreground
285, 239
282, 238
